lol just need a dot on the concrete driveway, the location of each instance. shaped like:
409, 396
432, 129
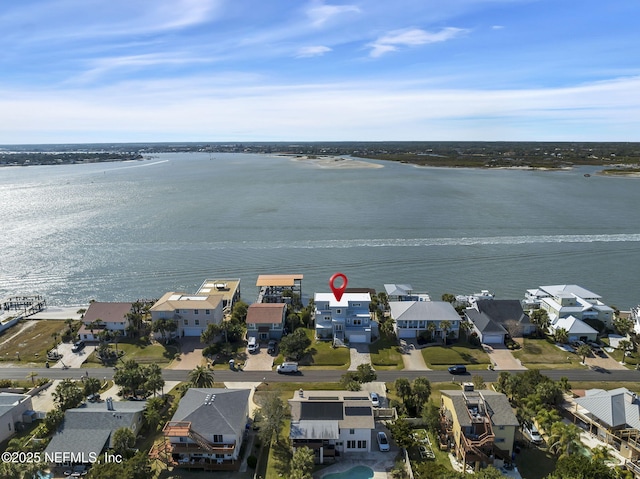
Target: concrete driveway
71, 359
502, 358
259, 361
190, 354
412, 355
359, 354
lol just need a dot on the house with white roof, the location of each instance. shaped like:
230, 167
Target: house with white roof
577, 330
413, 317
14, 409
191, 312
569, 300
332, 423
348, 318
614, 417
404, 292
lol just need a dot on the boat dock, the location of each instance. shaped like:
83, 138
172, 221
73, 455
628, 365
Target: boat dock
24, 305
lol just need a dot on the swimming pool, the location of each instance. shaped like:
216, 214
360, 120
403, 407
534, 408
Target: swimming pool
358, 472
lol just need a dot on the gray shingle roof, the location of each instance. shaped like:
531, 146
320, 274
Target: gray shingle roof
484, 323
503, 310
223, 413
501, 411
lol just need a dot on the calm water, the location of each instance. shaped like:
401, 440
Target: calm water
120, 231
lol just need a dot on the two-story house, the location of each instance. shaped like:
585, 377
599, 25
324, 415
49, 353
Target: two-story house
207, 430
494, 319
348, 318
413, 317
331, 422
104, 316
480, 424
266, 320
191, 312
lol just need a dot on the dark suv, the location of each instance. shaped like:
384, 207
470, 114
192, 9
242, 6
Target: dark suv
273, 344
77, 346
458, 369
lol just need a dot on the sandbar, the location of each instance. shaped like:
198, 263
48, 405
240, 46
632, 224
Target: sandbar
334, 162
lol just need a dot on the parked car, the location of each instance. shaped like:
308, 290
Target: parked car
383, 441
272, 347
287, 368
532, 434
252, 345
375, 399
458, 369
77, 346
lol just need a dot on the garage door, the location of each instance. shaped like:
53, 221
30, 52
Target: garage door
493, 339
358, 338
192, 331
407, 333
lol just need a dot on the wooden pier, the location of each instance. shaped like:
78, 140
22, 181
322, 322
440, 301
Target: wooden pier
25, 305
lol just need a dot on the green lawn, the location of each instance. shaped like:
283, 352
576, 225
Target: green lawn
541, 354
322, 353
147, 354
31, 344
385, 353
440, 357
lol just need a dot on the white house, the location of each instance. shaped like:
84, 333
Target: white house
348, 318
578, 330
563, 300
330, 422
104, 316
413, 317
191, 312
14, 409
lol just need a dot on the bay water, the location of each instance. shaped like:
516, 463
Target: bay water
123, 231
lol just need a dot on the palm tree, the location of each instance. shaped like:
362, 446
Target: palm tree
32, 375
201, 377
561, 335
564, 439
115, 334
431, 327
465, 327
624, 345
583, 350
445, 326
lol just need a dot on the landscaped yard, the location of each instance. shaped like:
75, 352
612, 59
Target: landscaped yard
541, 354
143, 353
33, 342
322, 353
440, 357
385, 353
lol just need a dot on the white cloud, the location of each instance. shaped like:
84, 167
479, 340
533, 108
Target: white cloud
411, 37
312, 51
321, 13
497, 27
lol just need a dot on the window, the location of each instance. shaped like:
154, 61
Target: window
217, 438
356, 304
327, 318
338, 311
207, 311
195, 311
351, 444
352, 431
197, 322
177, 311
362, 444
185, 322
499, 439
357, 322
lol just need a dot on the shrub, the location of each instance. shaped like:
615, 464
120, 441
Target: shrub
252, 461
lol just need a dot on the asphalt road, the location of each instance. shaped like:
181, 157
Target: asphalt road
324, 375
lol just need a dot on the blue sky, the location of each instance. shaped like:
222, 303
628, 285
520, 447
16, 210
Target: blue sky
78, 71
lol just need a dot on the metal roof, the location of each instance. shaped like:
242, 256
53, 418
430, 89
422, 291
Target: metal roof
278, 279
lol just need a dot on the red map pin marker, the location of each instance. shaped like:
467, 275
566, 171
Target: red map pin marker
338, 290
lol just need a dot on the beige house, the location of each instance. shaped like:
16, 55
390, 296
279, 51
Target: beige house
480, 425
191, 312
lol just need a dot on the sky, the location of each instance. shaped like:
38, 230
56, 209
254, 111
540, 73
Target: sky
79, 71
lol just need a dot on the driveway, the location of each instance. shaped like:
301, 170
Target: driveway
412, 355
190, 354
605, 364
502, 358
359, 353
260, 361
71, 359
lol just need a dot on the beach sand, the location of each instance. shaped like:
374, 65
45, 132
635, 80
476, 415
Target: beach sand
335, 162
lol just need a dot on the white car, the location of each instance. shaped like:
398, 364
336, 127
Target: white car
375, 399
383, 441
531, 433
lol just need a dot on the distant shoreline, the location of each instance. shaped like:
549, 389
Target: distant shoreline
333, 162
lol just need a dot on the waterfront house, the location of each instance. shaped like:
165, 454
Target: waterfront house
404, 292
413, 317
15, 409
229, 288
493, 319
207, 430
279, 288
347, 319
104, 317
480, 425
87, 431
562, 300
192, 313
331, 422
266, 320
577, 330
